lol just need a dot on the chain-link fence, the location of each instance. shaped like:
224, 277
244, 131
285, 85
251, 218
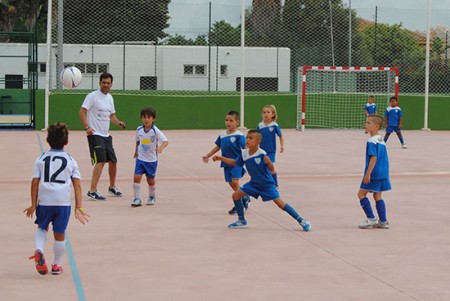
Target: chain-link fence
155, 46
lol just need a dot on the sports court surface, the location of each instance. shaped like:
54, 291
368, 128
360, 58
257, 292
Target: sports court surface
181, 249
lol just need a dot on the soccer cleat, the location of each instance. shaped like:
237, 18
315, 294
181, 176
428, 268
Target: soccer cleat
232, 211
151, 200
56, 269
136, 202
238, 225
382, 225
404, 146
96, 196
114, 191
39, 260
305, 225
368, 223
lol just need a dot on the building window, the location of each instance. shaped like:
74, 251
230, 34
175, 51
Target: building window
223, 70
42, 67
91, 68
199, 70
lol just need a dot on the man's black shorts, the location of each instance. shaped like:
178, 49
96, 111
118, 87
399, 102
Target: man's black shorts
101, 149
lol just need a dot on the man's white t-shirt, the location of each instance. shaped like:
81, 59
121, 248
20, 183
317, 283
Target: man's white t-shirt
99, 108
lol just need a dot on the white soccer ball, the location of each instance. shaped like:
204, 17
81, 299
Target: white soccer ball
71, 77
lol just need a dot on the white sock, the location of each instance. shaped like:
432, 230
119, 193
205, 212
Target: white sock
58, 250
151, 190
137, 190
40, 237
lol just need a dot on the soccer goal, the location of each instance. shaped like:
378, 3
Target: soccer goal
334, 97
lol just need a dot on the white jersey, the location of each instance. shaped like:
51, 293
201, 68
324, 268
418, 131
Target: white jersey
99, 108
55, 170
148, 143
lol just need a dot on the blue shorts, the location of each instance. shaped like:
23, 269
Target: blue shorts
234, 172
271, 157
377, 185
267, 193
57, 215
147, 168
391, 129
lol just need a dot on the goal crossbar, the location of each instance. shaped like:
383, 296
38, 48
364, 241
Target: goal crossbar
334, 96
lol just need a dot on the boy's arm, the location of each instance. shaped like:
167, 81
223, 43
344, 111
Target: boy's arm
229, 161
136, 150
281, 144
400, 122
162, 146
372, 162
269, 164
34, 195
79, 210
212, 152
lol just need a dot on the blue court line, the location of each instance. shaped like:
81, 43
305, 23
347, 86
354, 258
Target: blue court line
72, 262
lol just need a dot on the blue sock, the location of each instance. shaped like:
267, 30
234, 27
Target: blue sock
401, 139
288, 208
275, 178
381, 209
386, 138
239, 209
365, 204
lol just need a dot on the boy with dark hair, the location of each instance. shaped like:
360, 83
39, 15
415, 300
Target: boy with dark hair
55, 171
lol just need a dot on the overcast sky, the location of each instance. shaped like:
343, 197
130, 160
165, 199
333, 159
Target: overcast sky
190, 17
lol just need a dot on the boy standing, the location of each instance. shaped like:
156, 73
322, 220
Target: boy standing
54, 173
261, 183
370, 108
146, 153
230, 142
394, 119
376, 176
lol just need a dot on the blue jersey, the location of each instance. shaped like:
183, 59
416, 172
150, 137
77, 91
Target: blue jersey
269, 134
257, 169
377, 147
231, 145
393, 115
371, 108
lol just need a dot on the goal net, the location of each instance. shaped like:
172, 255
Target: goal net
335, 97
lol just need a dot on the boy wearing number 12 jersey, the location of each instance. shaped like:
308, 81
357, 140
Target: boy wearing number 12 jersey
55, 171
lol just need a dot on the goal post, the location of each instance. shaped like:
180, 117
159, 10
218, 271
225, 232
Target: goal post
334, 97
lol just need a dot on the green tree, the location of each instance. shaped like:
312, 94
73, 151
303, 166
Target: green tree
392, 46
316, 36
178, 39
22, 15
105, 21
263, 23
224, 34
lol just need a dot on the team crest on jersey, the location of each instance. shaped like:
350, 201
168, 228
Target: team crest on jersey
232, 139
258, 160
271, 129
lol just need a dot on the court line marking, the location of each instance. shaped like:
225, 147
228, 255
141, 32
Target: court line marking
403, 175
72, 262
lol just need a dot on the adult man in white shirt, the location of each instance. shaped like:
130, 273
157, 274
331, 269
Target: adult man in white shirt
96, 113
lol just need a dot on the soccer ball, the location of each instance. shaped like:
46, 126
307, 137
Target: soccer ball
71, 77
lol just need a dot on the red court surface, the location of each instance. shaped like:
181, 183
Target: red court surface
181, 249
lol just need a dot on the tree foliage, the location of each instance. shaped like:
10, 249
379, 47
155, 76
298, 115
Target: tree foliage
105, 21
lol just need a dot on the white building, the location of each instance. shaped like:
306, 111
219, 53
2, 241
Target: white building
141, 66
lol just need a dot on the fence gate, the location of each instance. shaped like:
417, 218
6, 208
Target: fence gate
18, 80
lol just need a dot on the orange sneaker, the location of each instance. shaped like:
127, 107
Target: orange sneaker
39, 260
56, 269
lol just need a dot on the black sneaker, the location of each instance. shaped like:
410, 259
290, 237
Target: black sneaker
96, 196
114, 191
